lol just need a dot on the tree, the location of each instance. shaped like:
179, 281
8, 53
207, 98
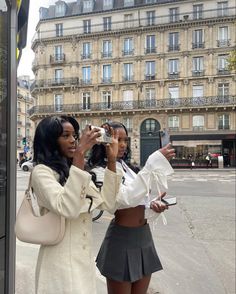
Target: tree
232, 61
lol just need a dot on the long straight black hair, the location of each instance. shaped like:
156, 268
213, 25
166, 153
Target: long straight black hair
46, 148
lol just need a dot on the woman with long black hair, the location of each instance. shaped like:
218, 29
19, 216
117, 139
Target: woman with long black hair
62, 186
127, 256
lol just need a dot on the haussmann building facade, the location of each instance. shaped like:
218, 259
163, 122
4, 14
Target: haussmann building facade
160, 67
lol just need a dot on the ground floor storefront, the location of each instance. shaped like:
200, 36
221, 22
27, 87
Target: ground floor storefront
204, 150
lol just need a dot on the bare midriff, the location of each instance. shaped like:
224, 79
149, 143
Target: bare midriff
131, 217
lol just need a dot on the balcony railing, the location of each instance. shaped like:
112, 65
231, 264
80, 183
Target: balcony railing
107, 80
222, 71
86, 55
128, 78
106, 54
223, 43
128, 52
160, 104
173, 48
57, 58
198, 73
150, 50
138, 22
198, 45
198, 128
173, 75
59, 82
150, 77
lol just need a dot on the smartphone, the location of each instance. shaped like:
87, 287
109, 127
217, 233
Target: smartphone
169, 201
105, 135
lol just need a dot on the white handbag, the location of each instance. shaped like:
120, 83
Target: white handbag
31, 227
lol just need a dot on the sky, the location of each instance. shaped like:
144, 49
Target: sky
27, 57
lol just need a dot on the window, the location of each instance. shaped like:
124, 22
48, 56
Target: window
107, 4
197, 66
60, 9
19, 131
173, 41
174, 95
58, 76
198, 39
86, 75
223, 37
173, 66
198, 122
173, 122
128, 46
128, 99
174, 14
87, 5
58, 53
106, 73
107, 48
128, 20
106, 23
59, 30
222, 8
128, 123
128, 3
150, 44
86, 50
198, 94
222, 63
150, 70
150, 125
223, 92
106, 100
86, 96
58, 102
87, 26
150, 18
128, 72
223, 122
197, 11
150, 96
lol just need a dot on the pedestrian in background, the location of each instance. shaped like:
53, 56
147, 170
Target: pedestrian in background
61, 185
127, 257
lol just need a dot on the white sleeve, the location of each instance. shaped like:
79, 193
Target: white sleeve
154, 173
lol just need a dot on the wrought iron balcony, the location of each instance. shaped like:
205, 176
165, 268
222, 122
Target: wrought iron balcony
57, 58
107, 80
155, 104
59, 82
128, 52
198, 45
223, 43
86, 55
128, 78
198, 73
106, 54
198, 128
222, 71
173, 75
150, 50
173, 47
187, 16
149, 77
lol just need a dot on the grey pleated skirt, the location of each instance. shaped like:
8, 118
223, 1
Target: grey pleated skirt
127, 253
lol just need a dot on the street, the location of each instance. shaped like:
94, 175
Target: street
196, 247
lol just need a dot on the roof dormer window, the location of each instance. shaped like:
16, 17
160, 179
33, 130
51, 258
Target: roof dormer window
60, 8
107, 4
88, 5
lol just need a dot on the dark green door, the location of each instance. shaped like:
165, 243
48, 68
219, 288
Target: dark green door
149, 138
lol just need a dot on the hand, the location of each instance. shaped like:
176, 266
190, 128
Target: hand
86, 142
168, 152
157, 205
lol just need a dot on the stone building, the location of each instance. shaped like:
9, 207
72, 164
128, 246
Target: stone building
160, 67
25, 127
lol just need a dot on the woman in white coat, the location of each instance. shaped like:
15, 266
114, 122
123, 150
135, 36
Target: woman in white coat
62, 186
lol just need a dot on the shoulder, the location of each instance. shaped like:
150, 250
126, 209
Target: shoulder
41, 170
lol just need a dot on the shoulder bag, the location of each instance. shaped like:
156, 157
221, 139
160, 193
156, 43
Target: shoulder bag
32, 227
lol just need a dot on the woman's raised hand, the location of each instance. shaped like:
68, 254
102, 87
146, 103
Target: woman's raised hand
168, 151
87, 139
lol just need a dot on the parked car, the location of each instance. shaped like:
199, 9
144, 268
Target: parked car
27, 165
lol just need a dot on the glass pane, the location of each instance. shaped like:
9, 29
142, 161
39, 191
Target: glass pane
3, 134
